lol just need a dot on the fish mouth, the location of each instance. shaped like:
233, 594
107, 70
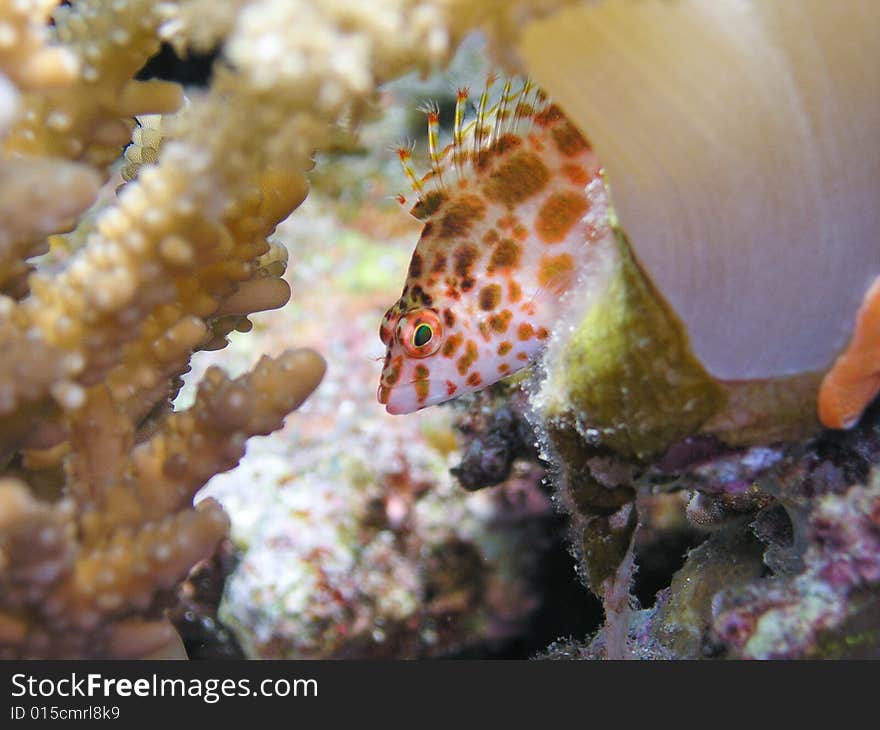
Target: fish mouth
402, 398
395, 410
396, 402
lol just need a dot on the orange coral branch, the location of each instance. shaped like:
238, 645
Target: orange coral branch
854, 379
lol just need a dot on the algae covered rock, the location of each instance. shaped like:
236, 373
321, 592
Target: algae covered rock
623, 376
621, 386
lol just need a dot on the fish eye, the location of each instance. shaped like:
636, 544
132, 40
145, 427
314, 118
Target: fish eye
422, 335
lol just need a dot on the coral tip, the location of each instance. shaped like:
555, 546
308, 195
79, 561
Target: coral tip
854, 379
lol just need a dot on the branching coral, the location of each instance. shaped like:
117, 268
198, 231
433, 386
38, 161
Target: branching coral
26, 57
125, 530
76, 103
97, 516
90, 117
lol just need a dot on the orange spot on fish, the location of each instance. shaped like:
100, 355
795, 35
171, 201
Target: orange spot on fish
392, 374
568, 140
464, 259
506, 255
461, 215
429, 204
491, 237
514, 291
490, 296
485, 331
452, 344
469, 358
506, 143
415, 266
548, 116
558, 215
556, 272
517, 179
577, 174
500, 322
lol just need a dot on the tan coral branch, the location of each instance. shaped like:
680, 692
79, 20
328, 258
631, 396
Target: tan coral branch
210, 437
79, 574
88, 117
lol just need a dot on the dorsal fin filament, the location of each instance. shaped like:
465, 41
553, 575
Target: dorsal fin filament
432, 111
501, 111
405, 155
481, 123
458, 132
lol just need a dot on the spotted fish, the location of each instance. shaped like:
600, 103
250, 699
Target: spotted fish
511, 209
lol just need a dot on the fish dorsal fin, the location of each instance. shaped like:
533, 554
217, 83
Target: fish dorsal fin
511, 113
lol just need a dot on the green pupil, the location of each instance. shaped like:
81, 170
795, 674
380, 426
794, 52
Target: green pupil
422, 335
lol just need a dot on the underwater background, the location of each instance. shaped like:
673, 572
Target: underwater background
202, 230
